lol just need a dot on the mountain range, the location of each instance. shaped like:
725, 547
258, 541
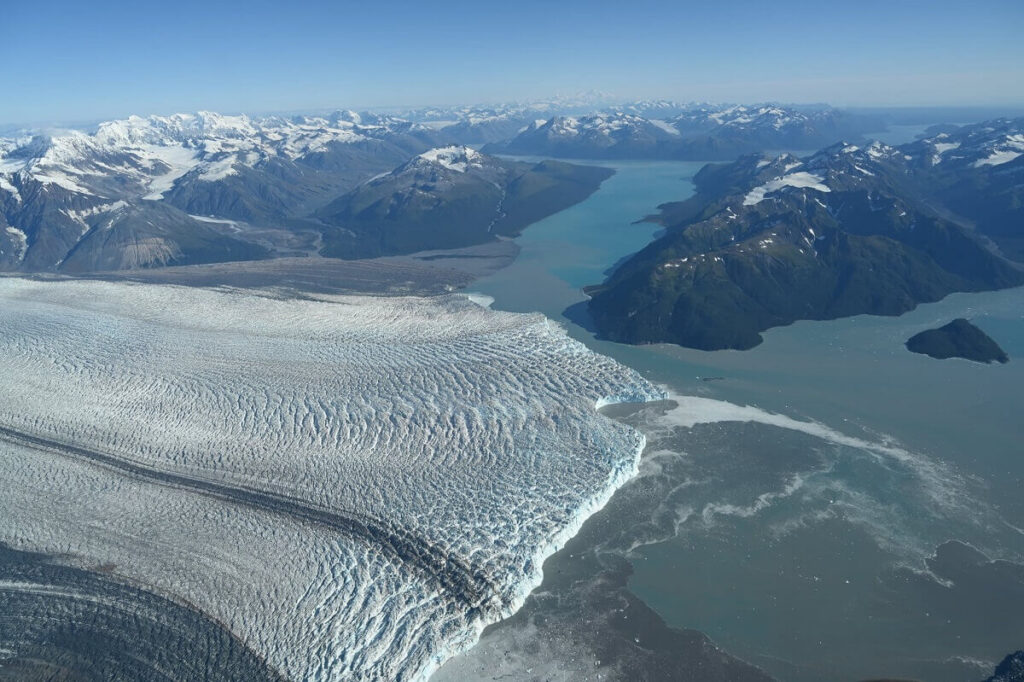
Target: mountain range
154, 191
205, 188
696, 133
449, 198
848, 230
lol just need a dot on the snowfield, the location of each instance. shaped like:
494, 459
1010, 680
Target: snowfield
155, 151
800, 179
456, 158
354, 486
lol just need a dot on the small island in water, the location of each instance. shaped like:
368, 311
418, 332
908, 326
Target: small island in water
958, 339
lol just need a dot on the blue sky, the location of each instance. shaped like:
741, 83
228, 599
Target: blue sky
77, 61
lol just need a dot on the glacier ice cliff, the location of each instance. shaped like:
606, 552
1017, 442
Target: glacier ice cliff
352, 486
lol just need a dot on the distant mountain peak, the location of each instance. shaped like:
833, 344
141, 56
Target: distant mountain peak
453, 157
61, 192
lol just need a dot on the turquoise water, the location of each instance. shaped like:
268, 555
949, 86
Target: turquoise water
899, 134
814, 557
572, 249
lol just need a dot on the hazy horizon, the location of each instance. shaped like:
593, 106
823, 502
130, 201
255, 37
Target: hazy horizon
76, 62
971, 112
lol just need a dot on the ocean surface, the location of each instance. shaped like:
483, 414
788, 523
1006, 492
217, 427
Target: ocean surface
827, 505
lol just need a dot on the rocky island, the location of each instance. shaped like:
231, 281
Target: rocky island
958, 339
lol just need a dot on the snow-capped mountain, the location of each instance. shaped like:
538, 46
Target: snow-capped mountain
978, 172
483, 124
152, 153
705, 131
851, 229
708, 117
454, 157
987, 158
477, 125
492, 123
161, 181
613, 135
577, 104
450, 197
205, 187
692, 132
992, 143
660, 109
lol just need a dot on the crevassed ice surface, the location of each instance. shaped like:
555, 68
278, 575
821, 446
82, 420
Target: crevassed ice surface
354, 486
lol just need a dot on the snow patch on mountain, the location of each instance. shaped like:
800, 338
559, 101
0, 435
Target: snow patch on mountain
153, 152
21, 241
5, 185
79, 216
941, 148
998, 158
879, 150
178, 160
799, 179
992, 143
218, 170
739, 116
53, 176
1004, 150
664, 125
454, 158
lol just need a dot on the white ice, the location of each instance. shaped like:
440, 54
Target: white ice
666, 126
800, 179
470, 433
453, 157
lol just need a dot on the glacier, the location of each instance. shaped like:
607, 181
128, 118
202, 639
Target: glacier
353, 486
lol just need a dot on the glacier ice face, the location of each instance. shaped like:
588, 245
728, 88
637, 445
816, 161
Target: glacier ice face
354, 486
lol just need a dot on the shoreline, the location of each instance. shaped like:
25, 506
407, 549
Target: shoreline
609, 618
427, 273
547, 281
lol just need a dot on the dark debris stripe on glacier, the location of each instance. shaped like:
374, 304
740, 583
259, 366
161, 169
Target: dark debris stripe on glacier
63, 623
460, 580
